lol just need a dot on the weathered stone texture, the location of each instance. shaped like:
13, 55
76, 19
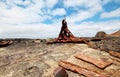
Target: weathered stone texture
81, 70
101, 63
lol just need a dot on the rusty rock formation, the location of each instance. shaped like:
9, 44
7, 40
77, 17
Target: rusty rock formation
81, 70
5, 43
65, 36
65, 33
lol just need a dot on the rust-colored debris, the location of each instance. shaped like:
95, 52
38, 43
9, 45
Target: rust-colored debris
65, 36
81, 70
101, 63
5, 43
113, 53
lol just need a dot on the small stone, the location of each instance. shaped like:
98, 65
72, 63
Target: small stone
60, 72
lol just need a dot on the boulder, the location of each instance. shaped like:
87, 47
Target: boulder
60, 72
100, 34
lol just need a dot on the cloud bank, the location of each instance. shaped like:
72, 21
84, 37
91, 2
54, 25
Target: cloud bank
42, 18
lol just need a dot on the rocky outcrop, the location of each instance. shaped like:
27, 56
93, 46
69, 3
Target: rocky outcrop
81, 70
116, 34
100, 34
33, 58
108, 44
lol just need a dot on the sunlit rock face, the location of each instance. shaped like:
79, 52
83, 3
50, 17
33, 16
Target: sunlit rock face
116, 34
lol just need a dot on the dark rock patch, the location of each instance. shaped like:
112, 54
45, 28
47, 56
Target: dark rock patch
109, 44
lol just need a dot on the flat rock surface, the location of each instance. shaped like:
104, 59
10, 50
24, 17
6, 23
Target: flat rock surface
31, 58
101, 62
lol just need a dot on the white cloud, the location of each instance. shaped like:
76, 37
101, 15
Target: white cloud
91, 8
84, 29
20, 2
108, 1
59, 11
11, 13
29, 31
51, 3
18, 15
115, 13
73, 3
2, 6
94, 5
87, 29
16, 21
90, 5
80, 16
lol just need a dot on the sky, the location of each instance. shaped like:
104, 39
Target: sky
42, 18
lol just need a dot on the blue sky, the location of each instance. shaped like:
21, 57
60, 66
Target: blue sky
42, 18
